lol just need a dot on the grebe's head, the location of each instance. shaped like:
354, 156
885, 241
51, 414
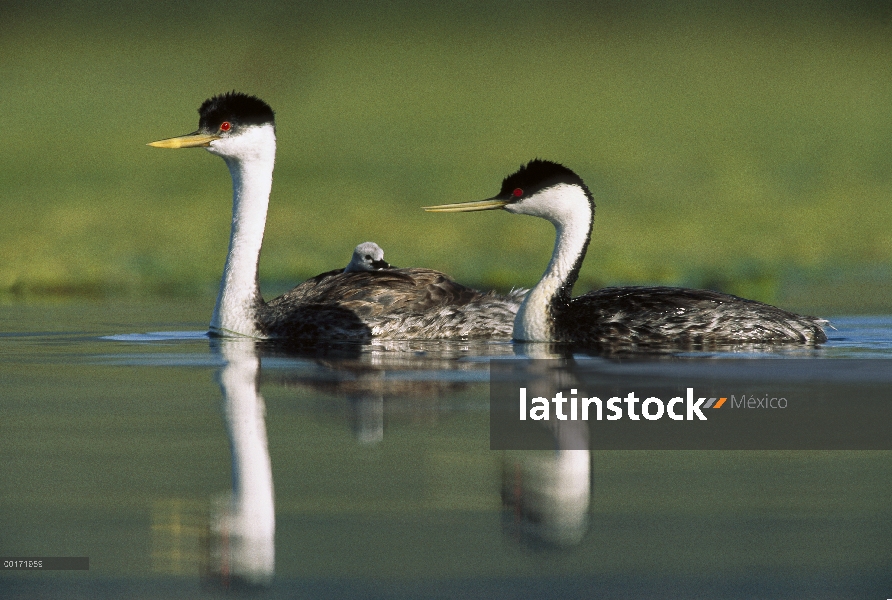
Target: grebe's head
231, 125
367, 256
540, 188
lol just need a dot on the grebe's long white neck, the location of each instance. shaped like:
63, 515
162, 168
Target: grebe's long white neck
570, 210
250, 158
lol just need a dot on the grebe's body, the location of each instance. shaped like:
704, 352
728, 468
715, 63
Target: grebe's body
390, 303
679, 316
624, 315
352, 305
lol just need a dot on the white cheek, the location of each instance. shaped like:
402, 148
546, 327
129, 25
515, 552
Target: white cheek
226, 146
253, 143
514, 208
556, 204
534, 205
217, 147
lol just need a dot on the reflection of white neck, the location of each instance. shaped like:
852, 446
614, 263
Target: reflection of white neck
569, 495
252, 519
250, 157
569, 210
557, 486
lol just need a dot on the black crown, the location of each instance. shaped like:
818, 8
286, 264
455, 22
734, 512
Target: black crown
236, 108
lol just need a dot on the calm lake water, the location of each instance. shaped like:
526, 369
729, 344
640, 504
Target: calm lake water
186, 468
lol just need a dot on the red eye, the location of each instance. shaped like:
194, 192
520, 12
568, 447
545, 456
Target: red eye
517, 193
225, 126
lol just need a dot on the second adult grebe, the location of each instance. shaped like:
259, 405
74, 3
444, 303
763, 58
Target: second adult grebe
623, 315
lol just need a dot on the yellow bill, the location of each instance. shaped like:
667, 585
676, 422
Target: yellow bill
192, 140
491, 204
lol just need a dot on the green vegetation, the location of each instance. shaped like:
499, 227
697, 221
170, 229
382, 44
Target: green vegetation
748, 149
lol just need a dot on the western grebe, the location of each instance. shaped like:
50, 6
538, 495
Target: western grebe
623, 315
355, 305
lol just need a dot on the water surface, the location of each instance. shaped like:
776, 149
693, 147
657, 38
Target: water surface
189, 468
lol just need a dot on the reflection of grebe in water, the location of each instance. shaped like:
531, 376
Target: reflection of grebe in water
385, 380
546, 494
243, 523
627, 315
347, 306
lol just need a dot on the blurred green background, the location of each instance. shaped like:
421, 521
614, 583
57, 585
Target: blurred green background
746, 148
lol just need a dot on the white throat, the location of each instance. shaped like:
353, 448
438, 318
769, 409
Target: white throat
250, 157
568, 208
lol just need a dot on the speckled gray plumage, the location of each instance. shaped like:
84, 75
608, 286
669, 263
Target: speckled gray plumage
678, 316
389, 304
